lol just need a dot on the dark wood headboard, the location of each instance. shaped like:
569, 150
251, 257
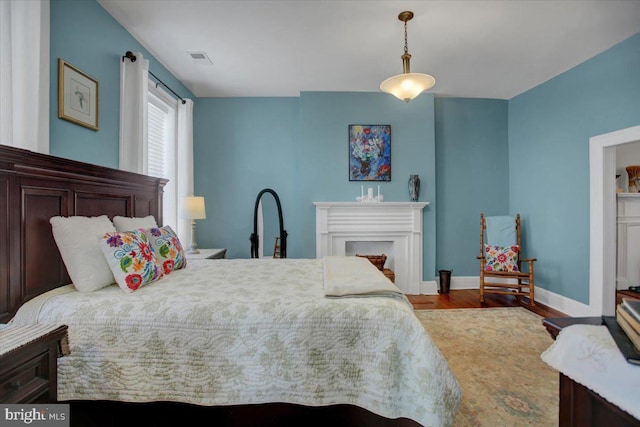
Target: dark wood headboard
35, 187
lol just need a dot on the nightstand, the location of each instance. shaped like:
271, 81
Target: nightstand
28, 362
208, 254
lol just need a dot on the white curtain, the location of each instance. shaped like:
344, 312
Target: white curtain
24, 74
134, 80
184, 166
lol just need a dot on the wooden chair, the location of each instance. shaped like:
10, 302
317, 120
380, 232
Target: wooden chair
518, 283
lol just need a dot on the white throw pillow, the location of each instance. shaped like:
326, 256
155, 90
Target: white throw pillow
77, 240
123, 223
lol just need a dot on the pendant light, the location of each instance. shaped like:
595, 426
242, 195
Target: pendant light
408, 85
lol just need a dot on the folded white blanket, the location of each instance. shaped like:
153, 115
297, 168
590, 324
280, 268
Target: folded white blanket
355, 276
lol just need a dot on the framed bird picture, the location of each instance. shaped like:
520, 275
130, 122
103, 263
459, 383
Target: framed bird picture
77, 96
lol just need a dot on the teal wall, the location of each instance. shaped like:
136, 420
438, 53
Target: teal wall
242, 146
299, 148
87, 37
549, 131
472, 176
323, 156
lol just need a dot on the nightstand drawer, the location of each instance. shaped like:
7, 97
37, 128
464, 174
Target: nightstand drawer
28, 362
26, 381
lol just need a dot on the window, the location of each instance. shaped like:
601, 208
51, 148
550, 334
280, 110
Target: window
161, 154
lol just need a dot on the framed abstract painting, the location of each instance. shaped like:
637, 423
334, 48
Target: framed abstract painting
369, 152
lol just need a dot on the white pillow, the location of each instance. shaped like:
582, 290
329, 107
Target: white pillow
77, 240
124, 223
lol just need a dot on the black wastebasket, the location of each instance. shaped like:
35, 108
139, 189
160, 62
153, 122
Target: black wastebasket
445, 281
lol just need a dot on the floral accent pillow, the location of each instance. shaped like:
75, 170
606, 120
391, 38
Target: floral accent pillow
501, 258
131, 259
167, 248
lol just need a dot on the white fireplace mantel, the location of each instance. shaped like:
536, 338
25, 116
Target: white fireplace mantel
338, 223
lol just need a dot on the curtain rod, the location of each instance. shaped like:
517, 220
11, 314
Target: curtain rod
133, 58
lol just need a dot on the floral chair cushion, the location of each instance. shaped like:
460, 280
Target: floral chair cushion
501, 258
167, 248
131, 259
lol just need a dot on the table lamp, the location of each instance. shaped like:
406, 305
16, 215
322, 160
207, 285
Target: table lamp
192, 208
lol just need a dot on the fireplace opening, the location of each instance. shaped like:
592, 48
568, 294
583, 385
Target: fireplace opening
390, 228
351, 248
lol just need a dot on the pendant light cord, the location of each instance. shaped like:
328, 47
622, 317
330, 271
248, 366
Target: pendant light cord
406, 50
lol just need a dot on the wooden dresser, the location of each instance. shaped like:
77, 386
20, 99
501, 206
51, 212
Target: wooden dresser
580, 406
28, 362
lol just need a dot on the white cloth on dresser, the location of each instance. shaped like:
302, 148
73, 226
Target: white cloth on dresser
588, 355
14, 337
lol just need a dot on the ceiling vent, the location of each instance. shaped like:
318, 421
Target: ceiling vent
200, 58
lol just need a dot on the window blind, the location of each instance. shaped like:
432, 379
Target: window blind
158, 118
161, 148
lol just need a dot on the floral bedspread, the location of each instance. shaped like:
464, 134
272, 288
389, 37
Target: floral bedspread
249, 331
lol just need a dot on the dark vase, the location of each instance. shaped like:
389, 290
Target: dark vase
414, 187
365, 167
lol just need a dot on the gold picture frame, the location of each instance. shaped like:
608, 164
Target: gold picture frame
77, 96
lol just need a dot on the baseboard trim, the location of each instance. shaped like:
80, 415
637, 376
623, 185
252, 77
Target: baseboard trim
563, 304
457, 282
550, 299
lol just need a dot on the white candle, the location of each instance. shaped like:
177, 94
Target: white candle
370, 193
362, 191
378, 191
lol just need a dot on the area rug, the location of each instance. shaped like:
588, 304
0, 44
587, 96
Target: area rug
495, 355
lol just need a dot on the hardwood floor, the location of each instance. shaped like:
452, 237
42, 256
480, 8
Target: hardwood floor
470, 298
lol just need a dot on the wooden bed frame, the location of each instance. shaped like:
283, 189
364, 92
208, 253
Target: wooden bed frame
35, 187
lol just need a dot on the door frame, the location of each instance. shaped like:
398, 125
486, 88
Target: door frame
602, 253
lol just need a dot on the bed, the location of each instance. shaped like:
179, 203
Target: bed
224, 333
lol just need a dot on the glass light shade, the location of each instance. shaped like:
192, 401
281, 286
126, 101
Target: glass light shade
407, 86
192, 207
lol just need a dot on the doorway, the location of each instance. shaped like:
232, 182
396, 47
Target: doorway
602, 253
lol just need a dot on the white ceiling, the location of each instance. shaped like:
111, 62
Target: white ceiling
474, 48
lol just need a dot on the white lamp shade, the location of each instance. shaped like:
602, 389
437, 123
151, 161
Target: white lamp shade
407, 86
192, 207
